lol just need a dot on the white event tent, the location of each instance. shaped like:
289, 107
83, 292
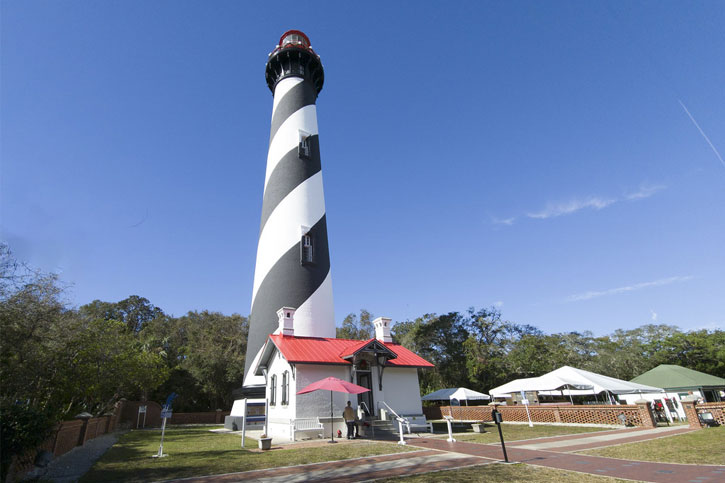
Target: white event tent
572, 381
459, 393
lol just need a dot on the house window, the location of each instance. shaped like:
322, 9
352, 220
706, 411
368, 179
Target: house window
304, 149
306, 249
285, 388
273, 390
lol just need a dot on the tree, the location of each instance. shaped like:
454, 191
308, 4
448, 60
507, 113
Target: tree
701, 350
134, 311
490, 340
214, 355
106, 363
439, 340
34, 325
357, 328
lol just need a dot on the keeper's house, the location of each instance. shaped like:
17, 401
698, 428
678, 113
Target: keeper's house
290, 363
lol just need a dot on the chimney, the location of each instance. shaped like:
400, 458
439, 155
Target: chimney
286, 321
382, 329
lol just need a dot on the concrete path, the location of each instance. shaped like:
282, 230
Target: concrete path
69, 468
353, 470
579, 442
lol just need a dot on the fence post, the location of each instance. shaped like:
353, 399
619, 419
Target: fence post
688, 404
645, 413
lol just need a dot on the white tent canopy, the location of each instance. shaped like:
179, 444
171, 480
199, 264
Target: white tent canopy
460, 393
571, 378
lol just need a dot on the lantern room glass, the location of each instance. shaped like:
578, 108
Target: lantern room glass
295, 39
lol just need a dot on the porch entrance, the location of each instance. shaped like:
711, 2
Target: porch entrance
365, 379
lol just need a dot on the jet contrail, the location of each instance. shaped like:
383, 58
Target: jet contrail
714, 150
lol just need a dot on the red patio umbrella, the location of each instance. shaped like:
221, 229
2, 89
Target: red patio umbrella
333, 384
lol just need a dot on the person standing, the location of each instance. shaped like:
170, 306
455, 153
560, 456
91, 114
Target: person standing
349, 416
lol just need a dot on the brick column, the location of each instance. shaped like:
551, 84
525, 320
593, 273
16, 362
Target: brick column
83, 436
688, 404
645, 413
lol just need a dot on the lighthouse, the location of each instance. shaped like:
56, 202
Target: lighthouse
293, 262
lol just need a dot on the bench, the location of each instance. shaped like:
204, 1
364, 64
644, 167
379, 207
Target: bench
418, 423
305, 424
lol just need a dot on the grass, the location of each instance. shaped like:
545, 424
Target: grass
517, 432
509, 473
706, 446
195, 451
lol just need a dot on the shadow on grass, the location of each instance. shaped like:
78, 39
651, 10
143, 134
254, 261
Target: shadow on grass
135, 465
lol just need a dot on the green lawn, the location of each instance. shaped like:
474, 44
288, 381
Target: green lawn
706, 446
508, 473
517, 432
195, 451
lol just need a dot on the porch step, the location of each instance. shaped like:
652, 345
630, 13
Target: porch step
383, 428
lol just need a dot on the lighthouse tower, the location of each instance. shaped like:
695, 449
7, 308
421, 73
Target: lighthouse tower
293, 261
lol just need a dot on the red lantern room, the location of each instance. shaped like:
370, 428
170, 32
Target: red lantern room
294, 57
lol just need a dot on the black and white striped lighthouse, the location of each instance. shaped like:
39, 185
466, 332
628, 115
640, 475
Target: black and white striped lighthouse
293, 261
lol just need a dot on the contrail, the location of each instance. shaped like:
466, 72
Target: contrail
714, 150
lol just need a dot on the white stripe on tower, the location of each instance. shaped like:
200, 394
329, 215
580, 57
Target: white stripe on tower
288, 272
288, 136
305, 205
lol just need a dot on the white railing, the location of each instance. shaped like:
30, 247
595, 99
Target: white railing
366, 408
400, 420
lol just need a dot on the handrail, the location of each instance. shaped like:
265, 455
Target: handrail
397, 417
365, 406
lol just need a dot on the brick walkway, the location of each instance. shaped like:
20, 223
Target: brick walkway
597, 465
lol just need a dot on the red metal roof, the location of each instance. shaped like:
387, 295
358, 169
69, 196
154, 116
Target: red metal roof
320, 350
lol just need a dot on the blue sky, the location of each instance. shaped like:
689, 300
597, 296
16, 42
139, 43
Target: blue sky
559, 160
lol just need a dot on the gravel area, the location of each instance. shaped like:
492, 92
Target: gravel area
75, 463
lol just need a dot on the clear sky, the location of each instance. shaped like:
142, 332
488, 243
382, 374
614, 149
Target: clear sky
559, 160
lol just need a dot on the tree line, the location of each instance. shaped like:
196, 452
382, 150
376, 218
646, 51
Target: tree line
480, 350
57, 361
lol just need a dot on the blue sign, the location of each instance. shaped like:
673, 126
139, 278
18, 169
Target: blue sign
170, 400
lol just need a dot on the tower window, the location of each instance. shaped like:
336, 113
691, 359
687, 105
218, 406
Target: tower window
304, 149
306, 249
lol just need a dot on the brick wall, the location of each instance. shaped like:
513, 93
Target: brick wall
210, 417
66, 436
716, 408
692, 409
588, 414
129, 415
432, 412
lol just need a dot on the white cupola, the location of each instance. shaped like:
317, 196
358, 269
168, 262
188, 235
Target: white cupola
286, 317
382, 329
